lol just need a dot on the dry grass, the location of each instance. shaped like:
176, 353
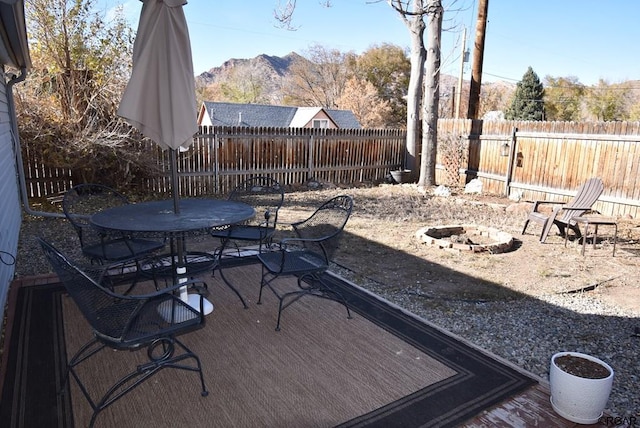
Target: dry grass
380, 246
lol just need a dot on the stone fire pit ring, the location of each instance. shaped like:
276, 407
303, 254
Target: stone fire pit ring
472, 238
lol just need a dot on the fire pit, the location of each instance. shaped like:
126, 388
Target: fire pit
470, 238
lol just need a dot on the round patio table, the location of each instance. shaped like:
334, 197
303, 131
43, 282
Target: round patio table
196, 215
158, 217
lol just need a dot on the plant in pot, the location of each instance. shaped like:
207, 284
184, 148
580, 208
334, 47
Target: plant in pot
580, 386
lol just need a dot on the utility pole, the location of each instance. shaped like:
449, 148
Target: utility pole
478, 56
454, 111
462, 61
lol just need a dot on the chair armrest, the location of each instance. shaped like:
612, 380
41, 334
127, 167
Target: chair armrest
202, 289
577, 208
536, 204
288, 241
99, 272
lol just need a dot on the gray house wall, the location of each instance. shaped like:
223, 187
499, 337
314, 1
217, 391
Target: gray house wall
10, 213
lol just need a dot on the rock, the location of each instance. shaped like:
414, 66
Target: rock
520, 207
442, 191
474, 186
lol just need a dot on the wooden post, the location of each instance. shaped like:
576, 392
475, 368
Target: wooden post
478, 55
216, 161
512, 157
454, 97
311, 160
459, 94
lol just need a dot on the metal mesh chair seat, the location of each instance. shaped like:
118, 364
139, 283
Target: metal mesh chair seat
307, 256
266, 196
115, 250
245, 233
99, 246
129, 322
115, 325
293, 262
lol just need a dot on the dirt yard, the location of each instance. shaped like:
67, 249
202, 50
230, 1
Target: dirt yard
381, 246
460, 290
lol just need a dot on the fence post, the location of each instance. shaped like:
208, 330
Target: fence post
216, 161
512, 152
311, 160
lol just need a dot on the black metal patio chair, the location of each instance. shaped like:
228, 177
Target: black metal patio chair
79, 204
266, 195
124, 322
307, 255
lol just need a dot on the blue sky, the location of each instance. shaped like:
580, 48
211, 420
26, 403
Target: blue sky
588, 39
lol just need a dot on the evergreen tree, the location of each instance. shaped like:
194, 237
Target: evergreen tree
528, 101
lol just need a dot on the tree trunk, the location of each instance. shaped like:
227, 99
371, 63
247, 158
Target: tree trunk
432, 95
478, 59
414, 94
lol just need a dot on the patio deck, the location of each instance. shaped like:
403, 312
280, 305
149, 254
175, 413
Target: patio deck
528, 408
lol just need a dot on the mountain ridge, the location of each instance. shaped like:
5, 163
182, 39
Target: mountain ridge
270, 71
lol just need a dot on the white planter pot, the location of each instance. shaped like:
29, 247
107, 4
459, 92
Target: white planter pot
579, 399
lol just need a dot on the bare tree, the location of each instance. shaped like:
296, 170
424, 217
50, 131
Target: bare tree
317, 80
283, 12
361, 97
413, 13
67, 106
434, 13
388, 69
244, 85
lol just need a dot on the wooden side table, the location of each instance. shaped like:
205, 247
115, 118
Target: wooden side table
596, 221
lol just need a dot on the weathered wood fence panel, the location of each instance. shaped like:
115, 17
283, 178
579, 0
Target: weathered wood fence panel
532, 160
43, 180
550, 160
222, 157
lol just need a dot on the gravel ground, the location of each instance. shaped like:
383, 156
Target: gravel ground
525, 330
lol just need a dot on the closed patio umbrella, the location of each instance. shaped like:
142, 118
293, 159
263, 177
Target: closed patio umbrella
160, 98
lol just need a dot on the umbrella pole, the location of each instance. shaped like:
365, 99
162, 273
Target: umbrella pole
175, 185
181, 265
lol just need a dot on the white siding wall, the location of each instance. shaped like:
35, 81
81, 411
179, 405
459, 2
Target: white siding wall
10, 211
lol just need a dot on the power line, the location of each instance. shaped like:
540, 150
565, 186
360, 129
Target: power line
501, 77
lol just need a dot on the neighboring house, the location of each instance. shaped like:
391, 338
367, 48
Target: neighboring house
14, 53
256, 115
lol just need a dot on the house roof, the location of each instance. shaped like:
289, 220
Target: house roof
14, 49
235, 114
304, 116
344, 118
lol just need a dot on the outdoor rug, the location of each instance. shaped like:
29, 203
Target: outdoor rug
383, 368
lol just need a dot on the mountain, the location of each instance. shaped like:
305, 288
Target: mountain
264, 70
270, 71
273, 66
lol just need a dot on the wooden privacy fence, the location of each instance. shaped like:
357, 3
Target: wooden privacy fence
543, 160
547, 160
222, 157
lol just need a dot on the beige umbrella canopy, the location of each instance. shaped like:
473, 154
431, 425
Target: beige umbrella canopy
160, 98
